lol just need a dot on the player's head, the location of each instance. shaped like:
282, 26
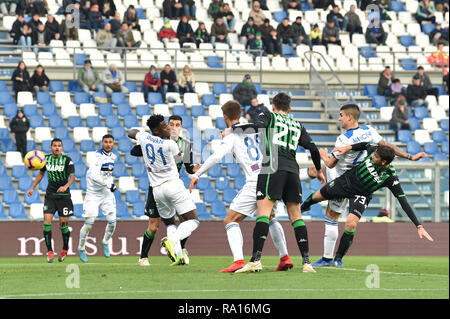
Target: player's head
281, 102
383, 156
56, 147
349, 115
231, 112
158, 126
175, 125
107, 142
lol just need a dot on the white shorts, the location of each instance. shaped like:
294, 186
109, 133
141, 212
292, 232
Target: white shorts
172, 197
337, 205
105, 200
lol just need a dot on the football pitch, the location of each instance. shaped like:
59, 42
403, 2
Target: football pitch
121, 277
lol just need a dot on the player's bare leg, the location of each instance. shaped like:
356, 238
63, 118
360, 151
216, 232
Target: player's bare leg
346, 239
234, 235
63, 225
48, 218
149, 235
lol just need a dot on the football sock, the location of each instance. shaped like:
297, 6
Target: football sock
109, 230
330, 238
277, 234
308, 202
235, 240
301, 236
146, 243
259, 236
48, 236
345, 243
183, 242
171, 230
84, 232
184, 230
65, 235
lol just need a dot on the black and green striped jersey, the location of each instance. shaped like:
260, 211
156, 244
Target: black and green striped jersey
282, 136
58, 171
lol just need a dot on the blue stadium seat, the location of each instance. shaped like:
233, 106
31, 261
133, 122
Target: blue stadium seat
368, 52
316, 211
215, 171
397, 6
49, 109
19, 171
112, 121
439, 136
55, 121
24, 183
123, 109
83, 185
414, 123
87, 146
379, 101
204, 183
239, 182
188, 122
2, 212
199, 146
179, 110
105, 109
139, 209
119, 170
2, 169
61, 132
80, 170
119, 132
197, 110
143, 183
444, 147
444, 124
78, 210
228, 195
74, 86
315, 184
130, 121
10, 196
233, 86
218, 209
3, 86
6, 98
36, 120
93, 121
413, 147
430, 148
141, 13
210, 195
201, 211
124, 145
17, 211
234, 170
46, 145
370, 90
406, 40
31, 145
142, 110
208, 99
212, 134
421, 112
131, 86
440, 88
219, 88
404, 136
258, 87
79, 59
438, 157
133, 196
9, 109
56, 86
35, 198
214, 62
122, 210
408, 64
43, 98
74, 121
288, 51
30, 109
5, 183
138, 169
155, 98
222, 183
68, 144
98, 94
427, 28
118, 98
278, 16
220, 123
81, 97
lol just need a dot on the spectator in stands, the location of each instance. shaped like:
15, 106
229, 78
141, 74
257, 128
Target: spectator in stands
219, 32
169, 81
201, 34
416, 94
34, 22
263, 4
12, 4
354, 22
244, 92
166, 33
39, 82
257, 44
116, 23
385, 6
26, 39
113, 80
21, 78
189, 8
300, 35
16, 29
426, 82
399, 120
40, 39
248, 32
89, 79
125, 37
322, 4
68, 30
285, 33
172, 9
254, 110
339, 20
214, 9
187, 80
316, 35
425, 12
375, 33
95, 17
384, 82
65, 4
132, 18
152, 83
228, 17
19, 126
399, 98
83, 14
439, 58
396, 89
445, 80
330, 34
107, 8
270, 39
438, 35
291, 4
37, 6
105, 38
52, 27
184, 30
257, 14
441, 5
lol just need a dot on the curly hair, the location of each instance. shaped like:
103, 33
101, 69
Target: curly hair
154, 121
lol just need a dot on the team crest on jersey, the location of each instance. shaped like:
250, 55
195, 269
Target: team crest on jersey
255, 167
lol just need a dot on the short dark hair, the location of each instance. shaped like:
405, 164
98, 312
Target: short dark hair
386, 153
353, 110
107, 136
282, 101
154, 121
56, 140
232, 109
176, 118
420, 68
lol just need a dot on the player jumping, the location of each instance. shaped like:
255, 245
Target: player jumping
100, 188
61, 174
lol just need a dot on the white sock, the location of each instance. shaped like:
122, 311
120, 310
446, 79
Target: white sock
277, 234
330, 237
171, 230
84, 232
235, 240
184, 230
109, 231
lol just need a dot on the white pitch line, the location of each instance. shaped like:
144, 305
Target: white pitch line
388, 272
218, 290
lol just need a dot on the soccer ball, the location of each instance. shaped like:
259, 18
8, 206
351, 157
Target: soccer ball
34, 160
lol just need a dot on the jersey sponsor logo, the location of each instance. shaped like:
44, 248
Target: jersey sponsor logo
55, 168
374, 172
259, 193
361, 138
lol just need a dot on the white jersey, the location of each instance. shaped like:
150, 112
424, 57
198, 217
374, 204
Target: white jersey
353, 136
99, 175
246, 151
159, 157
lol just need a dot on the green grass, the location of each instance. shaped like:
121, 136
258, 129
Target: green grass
120, 277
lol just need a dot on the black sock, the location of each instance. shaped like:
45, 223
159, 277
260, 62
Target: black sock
301, 236
345, 243
260, 233
307, 203
66, 236
183, 242
146, 243
327, 259
48, 236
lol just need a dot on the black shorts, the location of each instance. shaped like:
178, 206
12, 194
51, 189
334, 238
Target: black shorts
280, 185
150, 206
62, 204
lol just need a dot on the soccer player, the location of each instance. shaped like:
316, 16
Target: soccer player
336, 165
100, 189
61, 174
245, 149
358, 184
168, 189
279, 176
151, 210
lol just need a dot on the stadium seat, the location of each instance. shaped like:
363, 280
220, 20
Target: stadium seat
56, 86
123, 109
420, 112
124, 145
430, 124
19, 171
24, 183
204, 183
74, 86
408, 64
139, 209
9, 109
80, 170
6, 98
201, 211
208, 99
228, 195
220, 123
34, 199
13, 158
397, 6
36, 121
444, 147
105, 109
17, 211
136, 98
222, 183
197, 110
5, 183
61, 132
133, 196
406, 40
43, 98
413, 147
25, 97
414, 123
162, 109
444, 124
440, 157
10, 196
279, 16
430, 148
30, 110
379, 101
49, 109
219, 88
287, 51
427, 28
210, 195
130, 121
179, 110
155, 98
386, 112
218, 209
439, 136
215, 171
74, 121
138, 169
81, 97
131, 86
370, 90
112, 121
87, 146
118, 98
404, 136
187, 121
211, 134
93, 121
422, 136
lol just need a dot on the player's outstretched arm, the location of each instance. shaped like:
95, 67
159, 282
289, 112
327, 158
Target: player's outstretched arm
35, 183
403, 154
329, 161
132, 133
